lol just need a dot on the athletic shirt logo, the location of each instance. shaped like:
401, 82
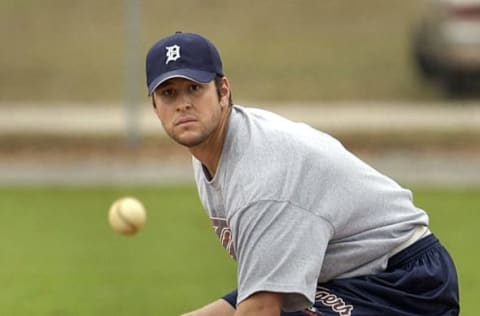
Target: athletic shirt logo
224, 233
173, 53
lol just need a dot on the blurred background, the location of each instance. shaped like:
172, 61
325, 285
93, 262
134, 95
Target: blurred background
397, 83
73, 75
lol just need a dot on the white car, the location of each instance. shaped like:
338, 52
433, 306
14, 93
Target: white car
446, 43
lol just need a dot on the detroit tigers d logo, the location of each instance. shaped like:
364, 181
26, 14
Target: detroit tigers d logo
173, 53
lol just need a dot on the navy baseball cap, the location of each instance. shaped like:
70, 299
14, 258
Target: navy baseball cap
182, 55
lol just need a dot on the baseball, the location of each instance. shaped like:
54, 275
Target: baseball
127, 215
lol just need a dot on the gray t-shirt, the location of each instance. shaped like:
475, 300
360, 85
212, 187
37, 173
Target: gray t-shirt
293, 207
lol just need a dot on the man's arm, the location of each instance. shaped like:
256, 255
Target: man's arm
218, 308
261, 304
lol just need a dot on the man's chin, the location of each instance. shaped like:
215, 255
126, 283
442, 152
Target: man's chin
189, 142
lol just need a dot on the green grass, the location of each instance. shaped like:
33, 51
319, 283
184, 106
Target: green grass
305, 50
59, 257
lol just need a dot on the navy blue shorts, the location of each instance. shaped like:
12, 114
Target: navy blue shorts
421, 280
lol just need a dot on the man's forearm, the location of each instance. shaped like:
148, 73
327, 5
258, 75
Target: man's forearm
261, 304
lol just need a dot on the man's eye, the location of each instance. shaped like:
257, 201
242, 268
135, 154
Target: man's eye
195, 87
168, 92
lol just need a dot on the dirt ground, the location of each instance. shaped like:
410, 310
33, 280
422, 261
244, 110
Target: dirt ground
437, 146
158, 161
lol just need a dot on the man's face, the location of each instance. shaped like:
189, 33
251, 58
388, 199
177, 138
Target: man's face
190, 112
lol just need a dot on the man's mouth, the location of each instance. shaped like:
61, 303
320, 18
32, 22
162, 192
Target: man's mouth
185, 120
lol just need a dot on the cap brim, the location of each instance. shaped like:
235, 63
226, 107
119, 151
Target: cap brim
190, 74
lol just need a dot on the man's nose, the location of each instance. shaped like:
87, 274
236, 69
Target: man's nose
185, 102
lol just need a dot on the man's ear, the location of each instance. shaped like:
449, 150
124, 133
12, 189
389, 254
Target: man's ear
225, 91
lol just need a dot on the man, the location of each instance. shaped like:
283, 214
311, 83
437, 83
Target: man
314, 230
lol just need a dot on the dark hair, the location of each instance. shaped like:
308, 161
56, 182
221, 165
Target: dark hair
218, 85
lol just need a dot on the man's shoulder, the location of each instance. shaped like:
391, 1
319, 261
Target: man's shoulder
257, 113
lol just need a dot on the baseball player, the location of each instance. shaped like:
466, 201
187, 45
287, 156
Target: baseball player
314, 230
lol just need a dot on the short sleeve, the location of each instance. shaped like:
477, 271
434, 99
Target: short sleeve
280, 248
